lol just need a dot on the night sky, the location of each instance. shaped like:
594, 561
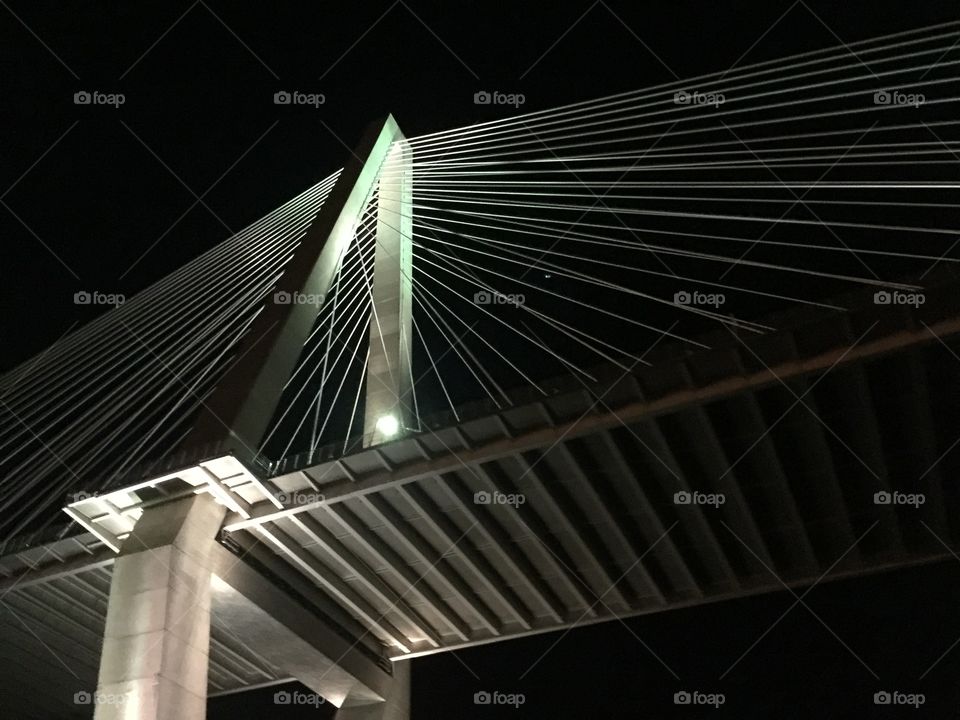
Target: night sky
105, 199
111, 199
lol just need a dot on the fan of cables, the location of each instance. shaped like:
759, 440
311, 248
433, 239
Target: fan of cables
546, 244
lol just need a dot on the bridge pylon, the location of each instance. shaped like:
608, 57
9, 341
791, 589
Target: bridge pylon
236, 416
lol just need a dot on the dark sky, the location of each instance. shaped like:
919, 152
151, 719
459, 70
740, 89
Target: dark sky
104, 199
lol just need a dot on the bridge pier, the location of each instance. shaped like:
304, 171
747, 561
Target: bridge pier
157, 637
171, 576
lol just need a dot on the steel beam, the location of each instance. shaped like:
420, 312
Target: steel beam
555, 496
328, 542
634, 570
772, 585
503, 545
652, 529
554, 552
375, 546
104, 557
780, 498
432, 560
832, 508
457, 540
703, 444
917, 414
864, 445
667, 473
331, 583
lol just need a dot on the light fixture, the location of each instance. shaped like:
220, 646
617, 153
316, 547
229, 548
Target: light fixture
387, 425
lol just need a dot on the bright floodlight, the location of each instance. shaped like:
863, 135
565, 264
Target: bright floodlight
387, 425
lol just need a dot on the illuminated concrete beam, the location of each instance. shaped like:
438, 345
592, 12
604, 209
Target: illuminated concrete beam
389, 378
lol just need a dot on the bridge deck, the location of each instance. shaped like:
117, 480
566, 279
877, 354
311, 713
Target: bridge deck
573, 509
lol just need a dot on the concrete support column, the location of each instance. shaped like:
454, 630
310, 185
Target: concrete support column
157, 636
388, 372
396, 706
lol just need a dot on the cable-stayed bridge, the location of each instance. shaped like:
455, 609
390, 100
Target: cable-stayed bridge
669, 347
